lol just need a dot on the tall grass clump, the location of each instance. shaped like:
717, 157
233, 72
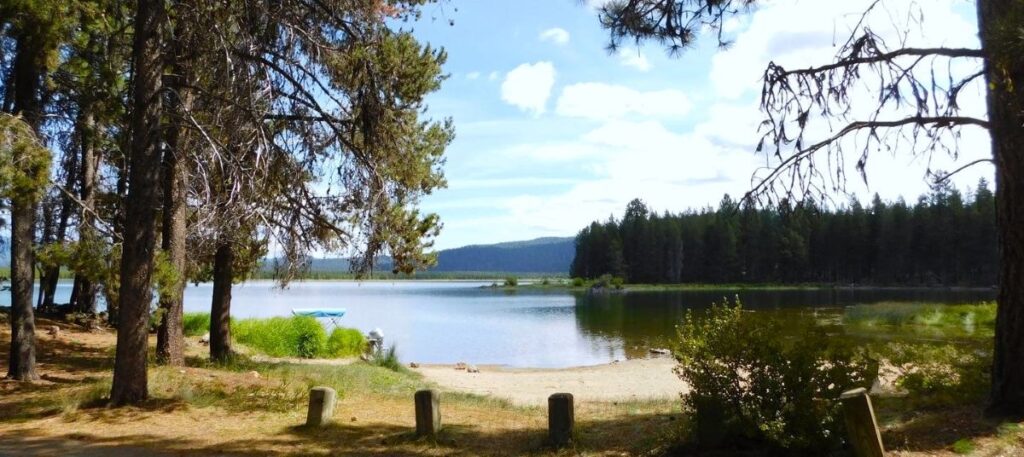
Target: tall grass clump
196, 324
296, 336
387, 359
346, 342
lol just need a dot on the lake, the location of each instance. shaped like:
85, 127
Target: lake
460, 321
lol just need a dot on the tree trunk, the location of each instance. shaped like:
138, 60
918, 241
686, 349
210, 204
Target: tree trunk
170, 340
76, 288
85, 299
46, 211
220, 309
23, 325
51, 275
28, 70
1004, 72
130, 380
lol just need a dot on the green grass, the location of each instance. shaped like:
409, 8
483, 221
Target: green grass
346, 342
971, 319
297, 336
963, 446
290, 393
196, 324
388, 359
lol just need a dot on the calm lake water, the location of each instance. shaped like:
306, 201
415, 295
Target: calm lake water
454, 321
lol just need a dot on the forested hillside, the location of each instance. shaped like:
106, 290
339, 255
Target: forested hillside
542, 255
945, 237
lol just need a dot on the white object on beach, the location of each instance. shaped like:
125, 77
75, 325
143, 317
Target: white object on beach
376, 340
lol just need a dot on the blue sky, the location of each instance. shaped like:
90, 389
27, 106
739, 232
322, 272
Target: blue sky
553, 132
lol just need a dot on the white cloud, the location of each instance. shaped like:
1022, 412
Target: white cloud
555, 35
798, 34
764, 37
528, 86
634, 59
473, 75
605, 101
635, 150
670, 170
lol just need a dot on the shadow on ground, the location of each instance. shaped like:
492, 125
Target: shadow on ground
369, 439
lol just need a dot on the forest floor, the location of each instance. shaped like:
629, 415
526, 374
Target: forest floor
257, 408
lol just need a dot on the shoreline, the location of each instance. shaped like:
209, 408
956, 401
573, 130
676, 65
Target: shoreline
647, 379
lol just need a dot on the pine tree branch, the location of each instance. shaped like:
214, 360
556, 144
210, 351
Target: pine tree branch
937, 122
886, 57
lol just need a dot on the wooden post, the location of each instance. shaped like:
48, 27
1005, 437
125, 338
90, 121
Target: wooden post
428, 412
321, 406
561, 419
861, 427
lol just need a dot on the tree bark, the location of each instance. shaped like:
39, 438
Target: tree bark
170, 338
28, 71
22, 365
1004, 72
130, 380
85, 299
51, 275
76, 288
220, 309
46, 211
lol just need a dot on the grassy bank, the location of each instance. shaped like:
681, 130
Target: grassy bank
295, 336
922, 314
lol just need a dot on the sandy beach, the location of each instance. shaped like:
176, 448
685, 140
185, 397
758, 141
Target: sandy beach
637, 379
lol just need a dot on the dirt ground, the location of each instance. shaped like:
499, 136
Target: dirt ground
628, 408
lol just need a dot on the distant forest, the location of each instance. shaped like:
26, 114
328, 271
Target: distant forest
945, 238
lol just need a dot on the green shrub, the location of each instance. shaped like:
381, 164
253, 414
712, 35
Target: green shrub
608, 281
577, 282
511, 281
941, 375
766, 381
296, 336
311, 339
196, 324
617, 282
346, 342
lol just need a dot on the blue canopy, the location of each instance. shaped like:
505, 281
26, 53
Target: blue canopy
319, 312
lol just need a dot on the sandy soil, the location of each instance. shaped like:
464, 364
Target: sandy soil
638, 379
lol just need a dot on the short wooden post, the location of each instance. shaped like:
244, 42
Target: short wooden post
561, 419
861, 426
428, 412
321, 406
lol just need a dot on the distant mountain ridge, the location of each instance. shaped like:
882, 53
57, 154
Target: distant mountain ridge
540, 255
